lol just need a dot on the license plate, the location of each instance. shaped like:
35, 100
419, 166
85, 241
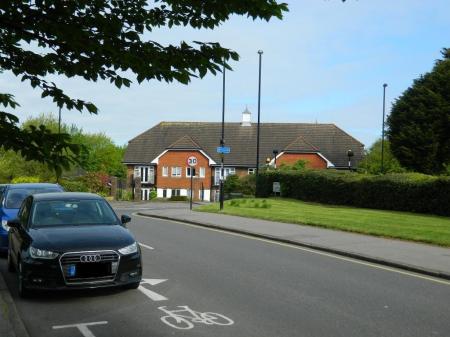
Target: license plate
71, 270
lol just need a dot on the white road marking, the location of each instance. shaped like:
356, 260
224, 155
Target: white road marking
347, 259
82, 327
145, 246
151, 294
183, 318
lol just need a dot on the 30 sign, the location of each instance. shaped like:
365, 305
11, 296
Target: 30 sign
192, 161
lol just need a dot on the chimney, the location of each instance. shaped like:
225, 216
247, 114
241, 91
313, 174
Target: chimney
246, 118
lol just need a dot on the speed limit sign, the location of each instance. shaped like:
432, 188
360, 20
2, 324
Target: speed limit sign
192, 161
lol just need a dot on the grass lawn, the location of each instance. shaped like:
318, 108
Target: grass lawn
400, 225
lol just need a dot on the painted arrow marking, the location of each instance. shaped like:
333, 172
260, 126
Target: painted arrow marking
151, 294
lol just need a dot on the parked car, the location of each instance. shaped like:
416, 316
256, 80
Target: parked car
10, 200
72, 240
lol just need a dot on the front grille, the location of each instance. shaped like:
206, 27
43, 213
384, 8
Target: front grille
89, 267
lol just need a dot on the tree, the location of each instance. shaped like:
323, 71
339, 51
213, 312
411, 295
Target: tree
419, 124
99, 154
108, 40
299, 165
372, 160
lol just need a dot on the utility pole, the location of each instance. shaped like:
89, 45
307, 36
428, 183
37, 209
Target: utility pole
382, 128
260, 52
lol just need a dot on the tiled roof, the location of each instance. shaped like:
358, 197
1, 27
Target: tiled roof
331, 141
184, 142
300, 145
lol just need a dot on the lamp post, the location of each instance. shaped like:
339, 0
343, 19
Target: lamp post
260, 52
350, 154
275, 154
222, 141
59, 134
382, 128
59, 121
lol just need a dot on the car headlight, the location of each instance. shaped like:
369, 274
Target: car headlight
5, 225
37, 253
131, 249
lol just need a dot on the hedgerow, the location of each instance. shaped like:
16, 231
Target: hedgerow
411, 192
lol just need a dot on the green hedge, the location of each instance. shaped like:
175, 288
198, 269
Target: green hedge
398, 191
178, 198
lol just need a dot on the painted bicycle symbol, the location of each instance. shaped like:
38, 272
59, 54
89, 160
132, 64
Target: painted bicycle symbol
184, 318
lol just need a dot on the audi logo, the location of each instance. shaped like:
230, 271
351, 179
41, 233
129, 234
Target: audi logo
90, 258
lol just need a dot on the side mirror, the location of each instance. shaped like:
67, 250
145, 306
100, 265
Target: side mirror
125, 219
13, 223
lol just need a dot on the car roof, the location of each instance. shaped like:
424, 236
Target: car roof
32, 185
66, 196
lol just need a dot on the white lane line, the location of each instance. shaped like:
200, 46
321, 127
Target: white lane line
145, 246
151, 294
338, 257
82, 327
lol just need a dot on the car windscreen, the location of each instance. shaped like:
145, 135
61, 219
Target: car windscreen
46, 213
14, 197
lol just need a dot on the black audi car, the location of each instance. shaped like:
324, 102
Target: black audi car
72, 240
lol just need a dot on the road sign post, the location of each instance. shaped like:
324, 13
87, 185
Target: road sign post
192, 162
222, 150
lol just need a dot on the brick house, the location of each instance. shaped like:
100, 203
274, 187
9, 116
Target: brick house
159, 155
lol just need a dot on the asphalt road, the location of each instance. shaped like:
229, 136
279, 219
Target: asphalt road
230, 285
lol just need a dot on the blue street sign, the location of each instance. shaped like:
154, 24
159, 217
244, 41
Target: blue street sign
223, 149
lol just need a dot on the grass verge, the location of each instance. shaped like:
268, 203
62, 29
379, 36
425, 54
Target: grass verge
391, 224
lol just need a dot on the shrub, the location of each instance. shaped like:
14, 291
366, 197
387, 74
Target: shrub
178, 198
231, 184
235, 184
96, 182
397, 191
247, 184
74, 185
25, 179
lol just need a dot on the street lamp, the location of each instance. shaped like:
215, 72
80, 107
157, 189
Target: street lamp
275, 153
260, 52
222, 141
350, 154
59, 135
382, 128
59, 121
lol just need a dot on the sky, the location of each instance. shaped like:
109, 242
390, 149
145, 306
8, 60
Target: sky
325, 62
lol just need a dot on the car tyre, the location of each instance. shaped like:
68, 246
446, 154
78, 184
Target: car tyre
134, 285
23, 290
11, 268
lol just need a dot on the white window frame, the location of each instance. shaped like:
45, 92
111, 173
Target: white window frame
202, 172
176, 172
145, 172
176, 192
251, 170
145, 194
227, 171
165, 171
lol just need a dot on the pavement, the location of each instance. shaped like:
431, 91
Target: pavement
11, 324
416, 257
